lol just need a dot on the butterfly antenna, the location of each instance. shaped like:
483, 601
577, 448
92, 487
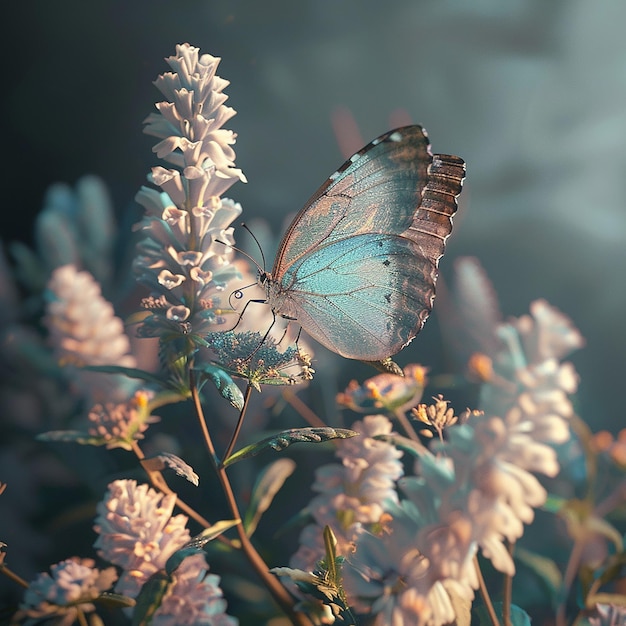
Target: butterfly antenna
243, 225
253, 260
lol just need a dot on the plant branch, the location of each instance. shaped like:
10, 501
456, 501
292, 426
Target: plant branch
233, 439
485, 594
159, 483
279, 593
508, 591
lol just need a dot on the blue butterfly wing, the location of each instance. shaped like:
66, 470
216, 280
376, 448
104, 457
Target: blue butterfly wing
358, 266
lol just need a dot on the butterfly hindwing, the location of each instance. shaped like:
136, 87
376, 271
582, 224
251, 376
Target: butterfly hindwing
376, 293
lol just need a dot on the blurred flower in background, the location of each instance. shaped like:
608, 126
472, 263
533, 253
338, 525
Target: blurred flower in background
535, 109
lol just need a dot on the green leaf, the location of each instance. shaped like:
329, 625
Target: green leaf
224, 384
150, 598
29, 267
324, 583
173, 563
330, 546
74, 436
282, 440
266, 487
167, 460
554, 504
212, 532
131, 372
115, 600
544, 568
519, 617
405, 444
298, 520
616, 599
610, 570
197, 543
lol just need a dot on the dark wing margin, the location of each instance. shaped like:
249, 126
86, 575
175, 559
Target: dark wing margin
432, 222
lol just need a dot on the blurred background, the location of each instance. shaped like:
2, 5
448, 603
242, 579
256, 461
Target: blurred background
532, 94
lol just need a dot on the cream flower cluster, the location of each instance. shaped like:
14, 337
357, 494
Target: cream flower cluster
84, 330
185, 257
119, 424
137, 532
72, 585
478, 489
352, 493
194, 598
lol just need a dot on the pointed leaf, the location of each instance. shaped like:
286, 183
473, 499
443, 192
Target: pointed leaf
282, 440
212, 532
167, 460
72, 436
131, 372
115, 600
519, 617
196, 544
224, 384
266, 487
603, 528
173, 563
610, 570
150, 598
297, 575
405, 444
330, 545
616, 599
298, 520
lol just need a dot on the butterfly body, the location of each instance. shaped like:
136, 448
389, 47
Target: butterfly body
358, 265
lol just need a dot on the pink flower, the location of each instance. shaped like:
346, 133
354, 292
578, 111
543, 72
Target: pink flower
137, 532
194, 598
73, 585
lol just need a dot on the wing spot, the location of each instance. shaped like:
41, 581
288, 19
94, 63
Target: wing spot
395, 136
388, 297
386, 262
355, 157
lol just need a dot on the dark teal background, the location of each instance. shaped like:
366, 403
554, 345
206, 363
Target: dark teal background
532, 94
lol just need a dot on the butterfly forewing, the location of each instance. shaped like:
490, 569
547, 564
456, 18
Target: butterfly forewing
357, 267
376, 190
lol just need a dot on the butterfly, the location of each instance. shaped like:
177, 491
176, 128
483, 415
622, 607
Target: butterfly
357, 267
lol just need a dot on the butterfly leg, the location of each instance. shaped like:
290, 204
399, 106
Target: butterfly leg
387, 366
265, 336
241, 314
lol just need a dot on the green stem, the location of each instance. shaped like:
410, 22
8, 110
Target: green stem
508, 591
279, 593
233, 439
159, 483
568, 579
82, 620
485, 594
13, 576
406, 424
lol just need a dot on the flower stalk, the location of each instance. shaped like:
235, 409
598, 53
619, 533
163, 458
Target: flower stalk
278, 591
